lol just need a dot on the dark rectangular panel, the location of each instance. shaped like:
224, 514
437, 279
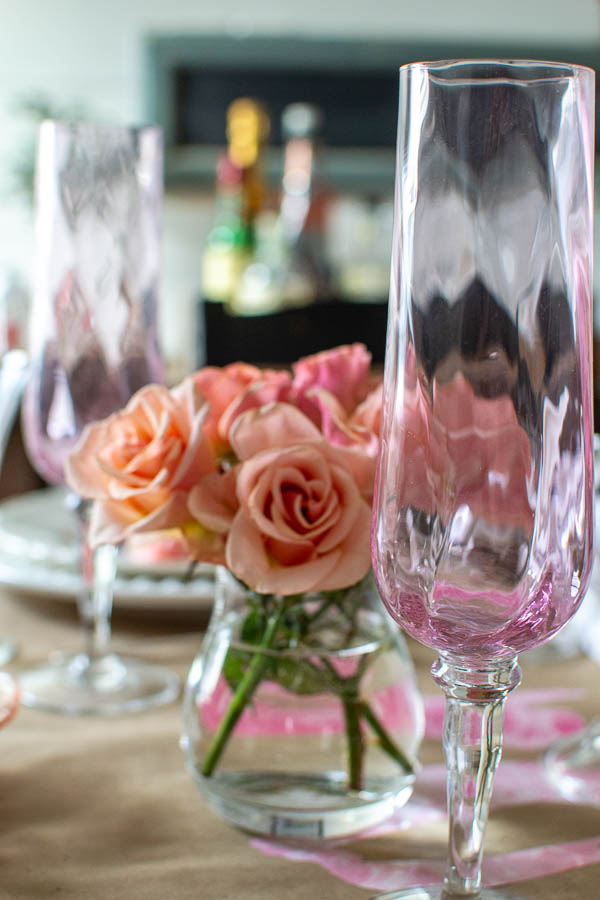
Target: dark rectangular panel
360, 108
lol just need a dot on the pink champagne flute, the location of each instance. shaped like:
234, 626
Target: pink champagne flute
483, 512
93, 343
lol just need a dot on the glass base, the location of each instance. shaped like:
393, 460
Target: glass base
572, 765
438, 893
8, 650
301, 806
112, 685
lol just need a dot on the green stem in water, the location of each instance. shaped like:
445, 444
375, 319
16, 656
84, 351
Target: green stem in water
385, 741
355, 741
243, 694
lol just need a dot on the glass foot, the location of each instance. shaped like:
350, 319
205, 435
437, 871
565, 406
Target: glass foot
76, 685
438, 893
572, 765
8, 650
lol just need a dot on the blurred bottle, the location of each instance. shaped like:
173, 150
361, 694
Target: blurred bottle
303, 202
240, 191
289, 267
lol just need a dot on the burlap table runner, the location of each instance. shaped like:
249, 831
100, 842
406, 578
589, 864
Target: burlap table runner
104, 808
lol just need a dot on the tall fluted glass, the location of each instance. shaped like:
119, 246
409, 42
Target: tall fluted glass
483, 517
93, 343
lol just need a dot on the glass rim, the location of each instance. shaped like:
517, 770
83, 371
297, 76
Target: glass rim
542, 69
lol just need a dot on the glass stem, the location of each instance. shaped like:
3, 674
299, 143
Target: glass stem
473, 721
97, 621
96, 598
95, 601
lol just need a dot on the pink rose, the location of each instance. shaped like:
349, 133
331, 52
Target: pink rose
347, 431
272, 387
343, 372
304, 511
140, 464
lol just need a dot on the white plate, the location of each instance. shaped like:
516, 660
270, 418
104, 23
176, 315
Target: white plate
39, 555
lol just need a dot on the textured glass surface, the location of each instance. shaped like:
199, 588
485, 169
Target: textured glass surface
483, 522
92, 339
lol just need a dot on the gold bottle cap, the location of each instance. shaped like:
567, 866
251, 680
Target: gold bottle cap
248, 126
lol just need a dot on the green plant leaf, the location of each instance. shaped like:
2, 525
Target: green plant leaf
253, 627
235, 666
300, 676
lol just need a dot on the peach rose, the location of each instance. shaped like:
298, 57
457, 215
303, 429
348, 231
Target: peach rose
220, 387
304, 511
272, 387
140, 463
233, 389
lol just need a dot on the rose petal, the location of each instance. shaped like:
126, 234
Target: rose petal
355, 556
111, 521
247, 558
213, 501
338, 428
348, 503
85, 479
264, 428
272, 387
259, 480
343, 371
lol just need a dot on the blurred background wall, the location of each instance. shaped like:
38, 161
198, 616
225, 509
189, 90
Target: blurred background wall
90, 57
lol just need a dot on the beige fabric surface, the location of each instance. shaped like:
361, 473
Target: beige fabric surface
104, 808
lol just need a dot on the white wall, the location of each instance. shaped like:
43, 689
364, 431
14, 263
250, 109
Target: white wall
89, 52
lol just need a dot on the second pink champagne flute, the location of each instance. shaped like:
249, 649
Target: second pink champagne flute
483, 516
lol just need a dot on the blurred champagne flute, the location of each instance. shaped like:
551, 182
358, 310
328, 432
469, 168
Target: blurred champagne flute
92, 343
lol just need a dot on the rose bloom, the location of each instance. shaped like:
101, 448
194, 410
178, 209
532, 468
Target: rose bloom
343, 371
297, 516
140, 464
359, 430
329, 387
273, 386
221, 387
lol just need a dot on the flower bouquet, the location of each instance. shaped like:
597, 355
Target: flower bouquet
303, 697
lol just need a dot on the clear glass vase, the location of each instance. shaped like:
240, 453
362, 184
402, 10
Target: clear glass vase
302, 714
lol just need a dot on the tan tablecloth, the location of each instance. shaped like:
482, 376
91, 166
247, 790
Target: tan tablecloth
104, 808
